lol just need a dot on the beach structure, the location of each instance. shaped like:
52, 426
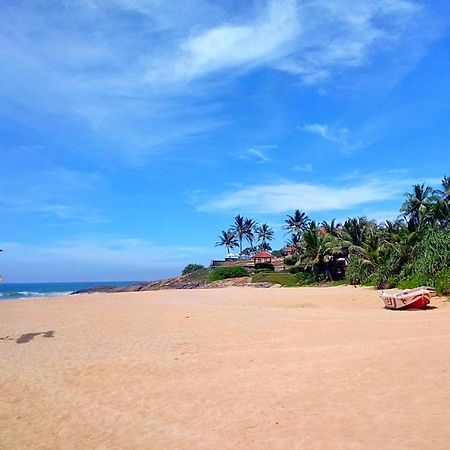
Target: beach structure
262, 257
418, 298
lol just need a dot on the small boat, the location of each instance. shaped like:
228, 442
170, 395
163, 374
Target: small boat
417, 298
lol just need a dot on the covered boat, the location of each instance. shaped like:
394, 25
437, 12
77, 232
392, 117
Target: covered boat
409, 299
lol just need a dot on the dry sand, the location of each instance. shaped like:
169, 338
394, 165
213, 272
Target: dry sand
235, 368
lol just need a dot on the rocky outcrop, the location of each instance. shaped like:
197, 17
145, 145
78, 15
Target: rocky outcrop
181, 282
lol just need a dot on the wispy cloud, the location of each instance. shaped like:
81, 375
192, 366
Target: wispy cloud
286, 196
249, 44
311, 40
332, 134
258, 154
147, 86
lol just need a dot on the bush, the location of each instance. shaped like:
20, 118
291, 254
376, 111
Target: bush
221, 273
372, 280
285, 279
290, 261
295, 269
413, 281
432, 253
192, 268
442, 282
265, 265
305, 278
357, 270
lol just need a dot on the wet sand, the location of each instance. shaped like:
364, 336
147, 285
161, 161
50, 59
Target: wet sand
234, 368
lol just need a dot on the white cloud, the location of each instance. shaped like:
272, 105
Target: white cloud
258, 154
310, 39
332, 134
228, 45
286, 196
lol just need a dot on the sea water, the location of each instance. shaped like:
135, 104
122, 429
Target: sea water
11, 291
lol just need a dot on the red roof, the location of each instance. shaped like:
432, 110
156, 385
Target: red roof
263, 255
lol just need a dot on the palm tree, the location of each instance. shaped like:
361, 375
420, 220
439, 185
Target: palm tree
445, 192
240, 229
417, 205
297, 223
250, 226
354, 231
228, 239
294, 241
330, 228
318, 251
264, 234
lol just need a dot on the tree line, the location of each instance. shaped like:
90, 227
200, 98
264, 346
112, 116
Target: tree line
413, 249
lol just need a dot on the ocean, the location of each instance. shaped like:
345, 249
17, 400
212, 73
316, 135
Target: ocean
11, 291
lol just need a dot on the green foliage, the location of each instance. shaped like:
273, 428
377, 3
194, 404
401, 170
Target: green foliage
290, 261
413, 281
192, 268
408, 252
442, 282
306, 278
432, 252
358, 270
264, 265
221, 273
285, 279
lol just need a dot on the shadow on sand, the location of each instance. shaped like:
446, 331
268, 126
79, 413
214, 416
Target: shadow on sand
413, 309
25, 338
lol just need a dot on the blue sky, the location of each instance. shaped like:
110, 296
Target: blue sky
133, 131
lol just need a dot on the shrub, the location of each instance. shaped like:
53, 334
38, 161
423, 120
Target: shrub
290, 261
192, 268
305, 278
221, 273
432, 253
285, 279
265, 265
357, 270
295, 269
372, 280
413, 281
442, 282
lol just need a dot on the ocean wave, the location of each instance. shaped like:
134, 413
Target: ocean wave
32, 294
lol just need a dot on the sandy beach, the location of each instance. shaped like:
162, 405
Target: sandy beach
234, 368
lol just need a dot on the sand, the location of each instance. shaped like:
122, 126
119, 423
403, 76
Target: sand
234, 368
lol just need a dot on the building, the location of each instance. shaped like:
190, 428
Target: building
262, 257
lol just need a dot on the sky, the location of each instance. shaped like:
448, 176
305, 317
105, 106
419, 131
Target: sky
132, 132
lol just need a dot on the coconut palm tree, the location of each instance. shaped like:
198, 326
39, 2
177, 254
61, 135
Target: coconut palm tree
294, 241
228, 239
417, 205
297, 223
250, 226
264, 234
330, 228
240, 229
444, 193
318, 250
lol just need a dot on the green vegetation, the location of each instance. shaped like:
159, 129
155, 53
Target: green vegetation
192, 268
285, 279
410, 251
265, 266
221, 273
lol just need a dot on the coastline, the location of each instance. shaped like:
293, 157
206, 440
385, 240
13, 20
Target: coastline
224, 368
